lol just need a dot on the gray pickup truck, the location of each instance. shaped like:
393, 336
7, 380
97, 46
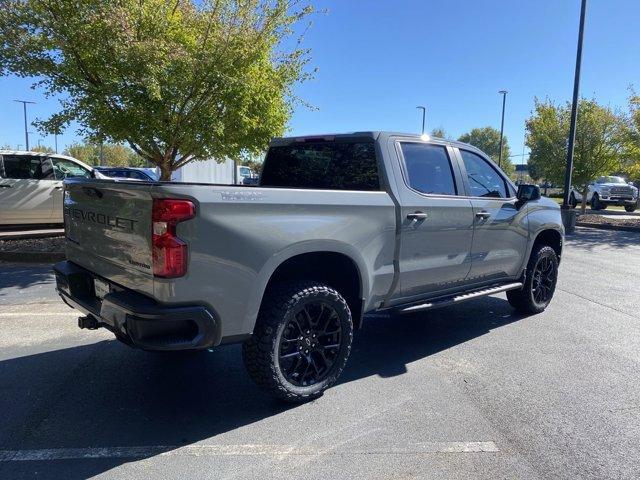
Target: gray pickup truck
340, 226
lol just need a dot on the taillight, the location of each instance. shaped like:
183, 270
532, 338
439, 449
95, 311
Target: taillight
170, 256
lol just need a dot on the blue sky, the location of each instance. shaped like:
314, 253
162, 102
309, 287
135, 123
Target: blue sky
378, 59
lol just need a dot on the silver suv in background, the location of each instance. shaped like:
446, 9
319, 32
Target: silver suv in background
31, 186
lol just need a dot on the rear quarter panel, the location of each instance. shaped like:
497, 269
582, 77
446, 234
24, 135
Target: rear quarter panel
241, 235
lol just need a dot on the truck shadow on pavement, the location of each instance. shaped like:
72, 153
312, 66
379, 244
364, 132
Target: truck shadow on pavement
105, 394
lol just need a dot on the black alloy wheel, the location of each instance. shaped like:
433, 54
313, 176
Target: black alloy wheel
310, 344
544, 280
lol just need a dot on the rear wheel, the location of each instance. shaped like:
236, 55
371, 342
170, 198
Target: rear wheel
301, 341
539, 284
630, 208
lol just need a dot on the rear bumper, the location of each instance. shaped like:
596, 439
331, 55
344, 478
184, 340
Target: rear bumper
136, 318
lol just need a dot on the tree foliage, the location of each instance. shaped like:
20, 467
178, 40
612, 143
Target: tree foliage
439, 132
487, 139
177, 80
631, 139
598, 143
108, 154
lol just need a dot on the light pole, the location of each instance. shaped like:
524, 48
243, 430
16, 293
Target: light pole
24, 108
55, 139
424, 114
574, 109
504, 101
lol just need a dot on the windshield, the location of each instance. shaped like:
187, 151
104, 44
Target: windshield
611, 180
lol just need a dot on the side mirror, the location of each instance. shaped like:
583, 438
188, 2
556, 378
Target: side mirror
528, 192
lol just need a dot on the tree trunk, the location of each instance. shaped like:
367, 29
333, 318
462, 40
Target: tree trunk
583, 204
165, 171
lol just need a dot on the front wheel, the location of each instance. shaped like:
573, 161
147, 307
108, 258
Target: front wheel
301, 341
573, 203
630, 208
539, 284
595, 202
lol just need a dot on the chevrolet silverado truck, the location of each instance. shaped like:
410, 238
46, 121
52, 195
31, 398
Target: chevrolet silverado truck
607, 190
339, 226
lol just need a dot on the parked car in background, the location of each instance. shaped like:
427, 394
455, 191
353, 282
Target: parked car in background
129, 173
251, 180
607, 190
245, 172
31, 185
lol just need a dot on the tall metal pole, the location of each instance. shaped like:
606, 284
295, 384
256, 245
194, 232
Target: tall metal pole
574, 109
424, 114
55, 139
504, 101
24, 108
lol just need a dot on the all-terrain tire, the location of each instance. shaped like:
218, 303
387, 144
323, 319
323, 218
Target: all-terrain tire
261, 353
523, 300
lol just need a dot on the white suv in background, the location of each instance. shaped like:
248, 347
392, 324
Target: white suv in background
31, 186
605, 191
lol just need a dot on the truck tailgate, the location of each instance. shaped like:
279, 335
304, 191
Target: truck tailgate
108, 230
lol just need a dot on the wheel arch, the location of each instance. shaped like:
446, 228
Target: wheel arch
551, 237
338, 265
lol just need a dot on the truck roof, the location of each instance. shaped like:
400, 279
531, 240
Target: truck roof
365, 135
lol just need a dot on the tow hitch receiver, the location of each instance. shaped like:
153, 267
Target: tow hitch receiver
89, 322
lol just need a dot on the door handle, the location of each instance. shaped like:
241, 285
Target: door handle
4, 185
417, 216
58, 187
483, 215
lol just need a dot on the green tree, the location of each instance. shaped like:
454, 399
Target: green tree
631, 139
109, 154
487, 139
598, 143
176, 80
439, 132
42, 149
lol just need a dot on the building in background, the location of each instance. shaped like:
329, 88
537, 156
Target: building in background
207, 171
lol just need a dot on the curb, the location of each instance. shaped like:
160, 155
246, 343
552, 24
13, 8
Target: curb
621, 228
32, 257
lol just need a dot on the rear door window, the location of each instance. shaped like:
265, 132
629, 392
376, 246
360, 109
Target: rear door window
322, 165
428, 168
24, 167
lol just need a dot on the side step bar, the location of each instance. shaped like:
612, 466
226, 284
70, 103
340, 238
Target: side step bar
444, 302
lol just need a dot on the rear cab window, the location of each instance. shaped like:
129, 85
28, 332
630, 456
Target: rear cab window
324, 165
428, 169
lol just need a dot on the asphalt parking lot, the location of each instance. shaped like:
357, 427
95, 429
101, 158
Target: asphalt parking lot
472, 391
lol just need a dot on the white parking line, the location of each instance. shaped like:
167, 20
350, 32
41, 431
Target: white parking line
238, 450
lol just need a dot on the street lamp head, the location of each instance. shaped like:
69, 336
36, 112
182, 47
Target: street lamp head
503, 92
